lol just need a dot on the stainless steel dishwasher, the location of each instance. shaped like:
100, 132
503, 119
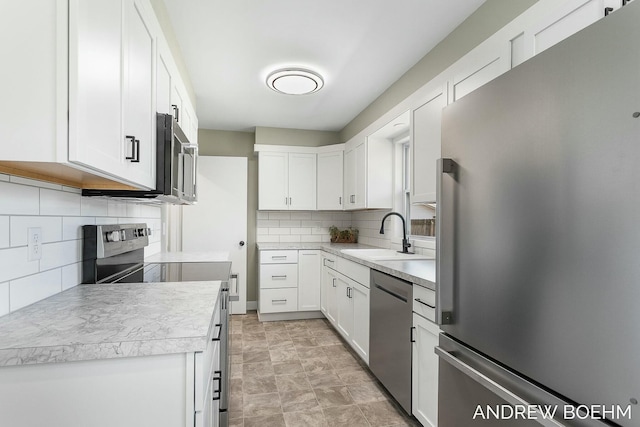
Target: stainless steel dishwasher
390, 335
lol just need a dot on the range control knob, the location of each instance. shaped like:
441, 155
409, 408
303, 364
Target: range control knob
112, 236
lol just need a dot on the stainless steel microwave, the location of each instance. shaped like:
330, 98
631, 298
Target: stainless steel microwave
176, 168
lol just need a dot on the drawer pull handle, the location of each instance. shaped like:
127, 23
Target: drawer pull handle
217, 377
334, 282
424, 303
328, 260
218, 325
274, 301
283, 277
279, 257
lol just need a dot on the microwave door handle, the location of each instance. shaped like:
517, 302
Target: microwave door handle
180, 175
194, 171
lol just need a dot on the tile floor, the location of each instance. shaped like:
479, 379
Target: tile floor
300, 373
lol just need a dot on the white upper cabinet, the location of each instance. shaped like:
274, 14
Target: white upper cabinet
111, 88
93, 75
139, 91
302, 181
330, 180
286, 181
368, 174
273, 181
425, 145
164, 79
286, 178
96, 138
570, 18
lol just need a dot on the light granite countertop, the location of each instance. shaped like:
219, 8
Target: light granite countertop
421, 272
91, 322
210, 256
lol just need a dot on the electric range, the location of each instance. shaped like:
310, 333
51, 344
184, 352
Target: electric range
115, 254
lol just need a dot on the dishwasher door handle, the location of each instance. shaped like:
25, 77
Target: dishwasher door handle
393, 294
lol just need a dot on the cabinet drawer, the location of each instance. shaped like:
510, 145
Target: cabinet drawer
278, 300
424, 302
353, 270
278, 276
278, 257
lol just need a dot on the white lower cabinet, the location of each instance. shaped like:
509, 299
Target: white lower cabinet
424, 382
289, 281
345, 303
278, 300
309, 278
344, 322
329, 290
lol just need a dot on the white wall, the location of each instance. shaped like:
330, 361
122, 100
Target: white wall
60, 212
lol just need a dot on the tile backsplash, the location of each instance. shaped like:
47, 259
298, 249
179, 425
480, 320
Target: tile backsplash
60, 212
368, 224
294, 227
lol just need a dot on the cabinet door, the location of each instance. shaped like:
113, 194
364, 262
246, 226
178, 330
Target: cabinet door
349, 178
425, 144
139, 101
360, 200
95, 85
572, 17
273, 184
360, 337
302, 181
330, 174
345, 308
331, 295
309, 277
164, 79
424, 381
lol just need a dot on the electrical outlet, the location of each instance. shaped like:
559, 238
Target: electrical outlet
34, 239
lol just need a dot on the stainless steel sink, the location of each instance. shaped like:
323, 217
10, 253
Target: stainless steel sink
382, 255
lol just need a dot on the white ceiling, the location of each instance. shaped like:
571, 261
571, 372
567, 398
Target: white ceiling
360, 47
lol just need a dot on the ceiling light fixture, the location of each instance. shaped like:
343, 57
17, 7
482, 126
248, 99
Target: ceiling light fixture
295, 81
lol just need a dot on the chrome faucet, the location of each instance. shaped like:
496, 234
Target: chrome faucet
405, 243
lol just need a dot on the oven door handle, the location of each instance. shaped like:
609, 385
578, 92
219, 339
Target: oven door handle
234, 295
493, 386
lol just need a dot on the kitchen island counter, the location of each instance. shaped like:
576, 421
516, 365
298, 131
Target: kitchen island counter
419, 271
90, 322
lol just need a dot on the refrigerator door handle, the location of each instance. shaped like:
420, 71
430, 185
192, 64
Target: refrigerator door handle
493, 386
445, 230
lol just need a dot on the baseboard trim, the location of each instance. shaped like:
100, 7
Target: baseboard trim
252, 305
294, 315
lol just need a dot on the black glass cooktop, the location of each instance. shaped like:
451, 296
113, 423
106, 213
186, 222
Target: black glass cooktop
175, 272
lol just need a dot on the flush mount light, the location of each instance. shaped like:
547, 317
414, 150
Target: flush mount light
295, 81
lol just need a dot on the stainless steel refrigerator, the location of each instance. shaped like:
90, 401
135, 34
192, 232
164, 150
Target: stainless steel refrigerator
539, 238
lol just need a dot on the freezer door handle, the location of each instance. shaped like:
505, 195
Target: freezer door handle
445, 237
493, 386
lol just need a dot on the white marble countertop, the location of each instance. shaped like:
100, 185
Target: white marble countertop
421, 272
108, 321
211, 256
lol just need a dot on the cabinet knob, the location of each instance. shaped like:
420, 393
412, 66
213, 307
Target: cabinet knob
241, 243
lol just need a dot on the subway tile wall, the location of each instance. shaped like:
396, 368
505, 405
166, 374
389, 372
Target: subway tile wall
294, 227
60, 212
